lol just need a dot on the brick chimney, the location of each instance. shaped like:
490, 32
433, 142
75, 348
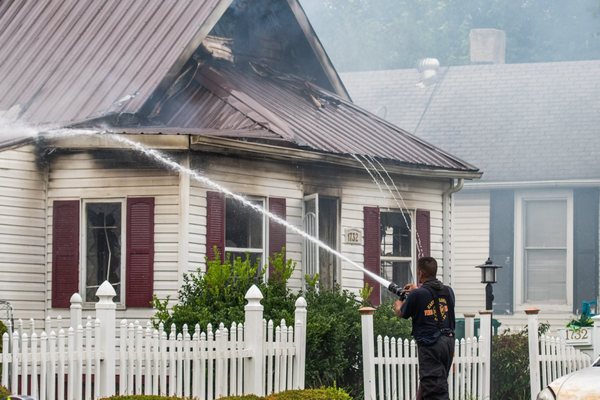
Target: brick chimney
488, 46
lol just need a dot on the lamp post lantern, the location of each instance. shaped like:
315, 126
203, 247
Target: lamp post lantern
488, 276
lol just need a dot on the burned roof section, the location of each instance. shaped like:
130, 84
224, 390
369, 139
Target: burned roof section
246, 98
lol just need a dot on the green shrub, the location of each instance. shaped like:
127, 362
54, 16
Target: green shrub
143, 397
331, 393
3, 330
217, 295
386, 323
510, 364
4, 393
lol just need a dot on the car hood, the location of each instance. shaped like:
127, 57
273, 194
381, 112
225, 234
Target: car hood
581, 385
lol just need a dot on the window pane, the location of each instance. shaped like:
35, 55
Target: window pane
545, 274
546, 223
399, 272
103, 248
395, 234
243, 225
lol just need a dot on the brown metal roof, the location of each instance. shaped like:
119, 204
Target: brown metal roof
251, 99
71, 60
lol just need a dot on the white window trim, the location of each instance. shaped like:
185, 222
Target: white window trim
83, 252
518, 287
413, 243
265, 235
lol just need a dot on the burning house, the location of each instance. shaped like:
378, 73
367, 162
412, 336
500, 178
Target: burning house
240, 92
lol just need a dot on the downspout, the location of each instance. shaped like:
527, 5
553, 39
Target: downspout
446, 227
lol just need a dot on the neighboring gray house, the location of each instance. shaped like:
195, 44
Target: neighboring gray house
534, 130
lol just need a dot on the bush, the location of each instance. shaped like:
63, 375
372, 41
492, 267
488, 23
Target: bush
4, 393
386, 323
142, 397
217, 295
510, 364
307, 394
3, 330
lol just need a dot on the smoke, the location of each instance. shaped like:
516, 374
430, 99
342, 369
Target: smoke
12, 128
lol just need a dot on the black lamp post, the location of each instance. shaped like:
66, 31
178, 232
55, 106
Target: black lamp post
488, 276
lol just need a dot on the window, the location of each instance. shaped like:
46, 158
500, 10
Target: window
95, 240
103, 241
321, 221
396, 249
245, 230
544, 248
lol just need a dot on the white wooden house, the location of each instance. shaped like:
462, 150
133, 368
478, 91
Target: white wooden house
533, 129
244, 94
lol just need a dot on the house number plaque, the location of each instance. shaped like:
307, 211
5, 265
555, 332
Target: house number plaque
353, 236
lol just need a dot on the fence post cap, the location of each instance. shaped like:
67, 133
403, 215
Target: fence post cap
253, 293
469, 315
366, 311
485, 312
105, 290
76, 299
300, 302
532, 311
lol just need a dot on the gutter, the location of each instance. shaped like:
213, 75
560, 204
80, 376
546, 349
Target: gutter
447, 228
533, 184
235, 147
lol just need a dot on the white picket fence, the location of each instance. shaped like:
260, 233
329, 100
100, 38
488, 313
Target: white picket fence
88, 362
391, 369
550, 357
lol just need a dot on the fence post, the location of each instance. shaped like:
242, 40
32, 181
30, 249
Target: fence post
368, 348
469, 325
75, 321
254, 340
485, 334
534, 348
75, 310
300, 332
596, 337
107, 314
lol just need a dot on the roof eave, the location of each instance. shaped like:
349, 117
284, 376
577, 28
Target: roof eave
236, 146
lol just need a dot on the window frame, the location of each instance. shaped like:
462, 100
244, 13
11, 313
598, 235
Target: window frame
413, 244
521, 198
265, 234
83, 247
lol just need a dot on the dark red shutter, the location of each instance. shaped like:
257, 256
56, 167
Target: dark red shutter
65, 252
372, 250
215, 224
277, 234
140, 252
423, 234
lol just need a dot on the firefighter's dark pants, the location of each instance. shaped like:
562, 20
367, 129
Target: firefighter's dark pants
435, 362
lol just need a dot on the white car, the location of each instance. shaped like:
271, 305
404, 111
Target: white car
579, 385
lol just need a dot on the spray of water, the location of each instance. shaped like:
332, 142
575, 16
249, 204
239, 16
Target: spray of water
165, 160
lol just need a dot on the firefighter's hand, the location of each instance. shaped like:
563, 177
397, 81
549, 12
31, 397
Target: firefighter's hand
397, 307
410, 287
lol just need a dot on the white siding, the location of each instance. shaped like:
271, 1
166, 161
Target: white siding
355, 190
470, 247
22, 233
82, 176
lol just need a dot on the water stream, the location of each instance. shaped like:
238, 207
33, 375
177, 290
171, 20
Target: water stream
165, 160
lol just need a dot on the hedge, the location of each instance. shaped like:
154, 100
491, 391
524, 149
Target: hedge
307, 394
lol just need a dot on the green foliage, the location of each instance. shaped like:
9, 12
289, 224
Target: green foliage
386, 323
387, 34
365, 293
218, 294
582, 322
333, 346
510, 366
4, 393
143, 397
330, 393
3, 330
